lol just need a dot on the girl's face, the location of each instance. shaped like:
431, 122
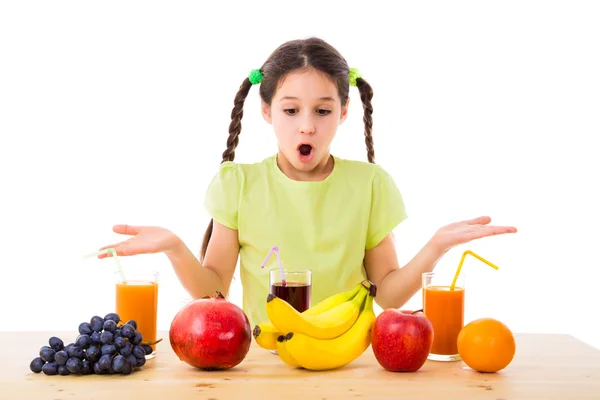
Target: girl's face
305, 113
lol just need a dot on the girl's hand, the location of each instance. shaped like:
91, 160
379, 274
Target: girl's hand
464, 231
145, 240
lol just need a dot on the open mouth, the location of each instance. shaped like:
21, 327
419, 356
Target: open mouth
305, 149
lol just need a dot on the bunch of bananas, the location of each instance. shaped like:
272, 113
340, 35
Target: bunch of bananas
328, 335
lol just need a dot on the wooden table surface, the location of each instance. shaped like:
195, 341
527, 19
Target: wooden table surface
545, 367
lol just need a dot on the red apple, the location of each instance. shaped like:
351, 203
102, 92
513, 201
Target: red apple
401, 340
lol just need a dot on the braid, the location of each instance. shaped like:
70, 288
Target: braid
366, 94
235, 127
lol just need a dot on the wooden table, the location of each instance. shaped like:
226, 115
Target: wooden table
545, 367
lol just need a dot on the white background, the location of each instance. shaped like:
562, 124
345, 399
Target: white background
117, 112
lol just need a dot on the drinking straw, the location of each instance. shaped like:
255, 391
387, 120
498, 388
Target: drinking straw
462, 259
276, 250
114, 255
268, 256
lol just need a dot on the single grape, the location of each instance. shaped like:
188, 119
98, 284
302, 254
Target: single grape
128, 331
56, 343
96, 323
128, 369
106, 337
137, 339
67, 347
140, 362
131, 360
138, 351
61, 357
76, 352
85, 328
112, 316
83, 341
120, 342
117, 333
118, 363
104, 362
109, 349
47, 353
36, 365
126, 349
74, 365
63, 370
50, 368
86, 367
95, 337
92, 353
147, 349
132, 323
110, 325
97, 370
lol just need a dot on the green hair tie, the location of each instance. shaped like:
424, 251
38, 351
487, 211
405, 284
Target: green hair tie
354, 74
255, 76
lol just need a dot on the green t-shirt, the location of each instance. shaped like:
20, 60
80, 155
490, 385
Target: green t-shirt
324, 226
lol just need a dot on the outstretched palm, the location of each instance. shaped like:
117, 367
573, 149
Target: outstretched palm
145, 240
465, 231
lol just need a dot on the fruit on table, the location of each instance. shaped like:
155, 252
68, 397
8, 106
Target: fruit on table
324, 354
283, 352
333, 301
486, 345
326, 325
211, 333
401, 340
266, 334
302, 345
105, 346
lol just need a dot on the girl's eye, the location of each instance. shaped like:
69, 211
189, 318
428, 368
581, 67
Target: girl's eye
293, 111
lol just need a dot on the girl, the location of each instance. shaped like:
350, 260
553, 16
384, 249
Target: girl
327, 214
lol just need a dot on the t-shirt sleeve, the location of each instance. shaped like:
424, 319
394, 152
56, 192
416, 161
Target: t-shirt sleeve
387, 208
223, 195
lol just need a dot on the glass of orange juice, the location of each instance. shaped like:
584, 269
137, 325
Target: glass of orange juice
137, 299
445, 308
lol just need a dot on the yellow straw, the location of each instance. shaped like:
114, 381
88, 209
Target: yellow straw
462, 259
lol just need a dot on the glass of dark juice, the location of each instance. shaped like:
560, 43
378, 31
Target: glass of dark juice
295, 291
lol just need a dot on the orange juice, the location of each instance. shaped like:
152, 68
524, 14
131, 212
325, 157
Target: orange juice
445, 310
138, 300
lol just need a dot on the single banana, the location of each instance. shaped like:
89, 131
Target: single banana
283, 353
266, 335
326, 325
333, 301
318, 355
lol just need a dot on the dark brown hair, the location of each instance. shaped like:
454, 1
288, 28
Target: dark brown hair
290, 56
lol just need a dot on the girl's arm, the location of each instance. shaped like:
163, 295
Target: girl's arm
395, 285
216, 272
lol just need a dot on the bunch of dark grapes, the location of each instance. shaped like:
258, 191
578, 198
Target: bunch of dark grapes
103, 347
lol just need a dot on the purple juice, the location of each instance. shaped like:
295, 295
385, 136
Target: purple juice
295, 293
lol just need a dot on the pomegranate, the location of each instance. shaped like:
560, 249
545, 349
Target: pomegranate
211, 333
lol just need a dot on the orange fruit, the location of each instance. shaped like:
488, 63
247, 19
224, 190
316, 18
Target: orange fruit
486, 345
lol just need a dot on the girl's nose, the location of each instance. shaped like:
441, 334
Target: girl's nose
307, 126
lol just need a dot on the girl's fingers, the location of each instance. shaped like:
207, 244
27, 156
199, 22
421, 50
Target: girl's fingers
484, 231
483, 220
502, 229
126, 229
110, 246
